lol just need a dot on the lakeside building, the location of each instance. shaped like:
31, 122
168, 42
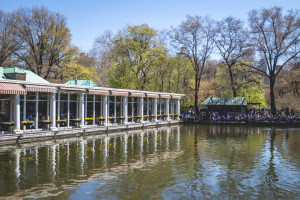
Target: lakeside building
27, 101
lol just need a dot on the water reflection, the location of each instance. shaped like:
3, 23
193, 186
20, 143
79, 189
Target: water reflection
168, 162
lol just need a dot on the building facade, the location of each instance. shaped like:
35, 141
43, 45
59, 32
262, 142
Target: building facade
26, 104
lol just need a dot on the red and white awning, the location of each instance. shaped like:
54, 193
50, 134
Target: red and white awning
99, 92
12, 88
39, 88
114, 93
165, 96
72, 89
136, 94
152, 95
176, 97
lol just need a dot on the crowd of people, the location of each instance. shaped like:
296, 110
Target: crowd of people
250, 115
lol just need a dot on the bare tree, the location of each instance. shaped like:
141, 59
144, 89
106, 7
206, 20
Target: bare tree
44, 39
8, 43
231, 42
196, 35
103, 54
276, 39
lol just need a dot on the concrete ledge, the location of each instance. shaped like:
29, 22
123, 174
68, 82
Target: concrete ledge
71, 132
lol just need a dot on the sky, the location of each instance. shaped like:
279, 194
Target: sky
88, 19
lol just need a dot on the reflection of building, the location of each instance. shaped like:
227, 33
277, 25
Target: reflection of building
227, 104
24, 96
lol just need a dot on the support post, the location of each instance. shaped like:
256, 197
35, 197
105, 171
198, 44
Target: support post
168, 109
53, 111
81, 110
17, 120
115, 108
155, 109
94, 106
68, 111
178, 107
85, 109
105, 109
58, 107
125, 109
24, 111
142, 108
36, 110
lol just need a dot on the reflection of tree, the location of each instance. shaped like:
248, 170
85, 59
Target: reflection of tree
271, 175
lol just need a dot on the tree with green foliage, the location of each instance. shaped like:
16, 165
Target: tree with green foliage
244, 87
136, 49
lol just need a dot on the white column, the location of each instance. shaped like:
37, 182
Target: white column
81, 110
77, 106
105, 109
36, 110
125, 109
58, 106
101, 107
178, 106
132, 106
85, 108
48, 113
168, 109
94, 114
17, 113
115, 108
68, 111
142, 108
24, 108
108, 105
53, 111
24, 111
155, 109
11, 110
160, 106
147, 106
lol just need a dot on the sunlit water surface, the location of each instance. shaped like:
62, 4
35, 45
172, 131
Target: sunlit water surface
174, 162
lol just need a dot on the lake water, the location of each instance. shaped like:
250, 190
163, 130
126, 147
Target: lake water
173, 162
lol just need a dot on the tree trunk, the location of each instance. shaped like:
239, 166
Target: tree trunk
232, 82
196, 92
272, 96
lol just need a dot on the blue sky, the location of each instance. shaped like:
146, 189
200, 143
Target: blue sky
88, 19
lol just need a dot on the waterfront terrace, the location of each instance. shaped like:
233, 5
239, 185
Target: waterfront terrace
33, 105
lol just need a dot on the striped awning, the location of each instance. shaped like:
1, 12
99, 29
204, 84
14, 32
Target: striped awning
114, 93
12, 88
39, 88
136, 94
165, 96
72, 89
98, 92
176, 97
152, 95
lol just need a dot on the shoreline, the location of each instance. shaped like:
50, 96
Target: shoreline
39, 135
256, 123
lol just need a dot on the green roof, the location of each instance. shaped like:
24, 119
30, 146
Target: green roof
30, 76
225, 101
82, 82
33, 77
10, 70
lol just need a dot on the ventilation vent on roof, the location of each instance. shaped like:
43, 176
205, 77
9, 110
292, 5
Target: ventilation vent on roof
14, 73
